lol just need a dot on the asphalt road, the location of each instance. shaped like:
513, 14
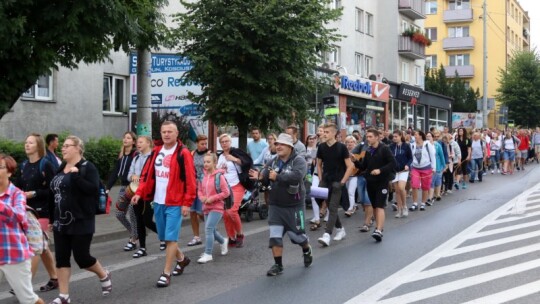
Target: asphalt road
478, 245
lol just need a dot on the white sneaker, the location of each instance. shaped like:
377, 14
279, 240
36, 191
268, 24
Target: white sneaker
492, 171
498, 171
405, 212
399, 214
325, 240
340, 234
225, 246
449, 191
205, 258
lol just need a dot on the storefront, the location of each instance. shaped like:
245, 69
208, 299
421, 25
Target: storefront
412, 107
361, 103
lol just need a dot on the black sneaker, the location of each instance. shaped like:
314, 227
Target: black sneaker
394, 206
377, 235
413, 207
429, 202
308, 257
275, 270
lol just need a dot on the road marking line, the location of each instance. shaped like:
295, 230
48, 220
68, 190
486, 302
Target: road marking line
437, 290
493, 243
505, 229
509, 294
384, 287
475, 262
513, 218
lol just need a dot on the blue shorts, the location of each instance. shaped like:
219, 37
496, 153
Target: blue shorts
509, 155
436, 181
362, 191
168, 222
196, 206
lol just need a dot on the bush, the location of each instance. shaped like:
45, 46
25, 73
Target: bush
101, 152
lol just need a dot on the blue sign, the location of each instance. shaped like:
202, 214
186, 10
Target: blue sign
192, 110
356, 85
155, 99
163, 63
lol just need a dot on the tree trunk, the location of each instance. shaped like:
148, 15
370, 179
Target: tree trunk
242, 137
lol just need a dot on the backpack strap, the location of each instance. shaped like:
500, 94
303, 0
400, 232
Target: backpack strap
217, 182
181, 166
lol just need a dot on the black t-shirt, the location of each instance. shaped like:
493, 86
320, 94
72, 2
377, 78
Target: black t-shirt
36, 177
463, 146
333, 160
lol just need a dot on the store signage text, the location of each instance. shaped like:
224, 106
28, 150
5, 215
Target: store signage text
356, 85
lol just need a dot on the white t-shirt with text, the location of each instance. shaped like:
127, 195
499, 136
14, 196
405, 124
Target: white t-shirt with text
162, 167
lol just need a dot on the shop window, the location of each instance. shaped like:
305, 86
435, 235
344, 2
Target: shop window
42, 90
438, 118
401, 116
114, 94
362, 113
420, 117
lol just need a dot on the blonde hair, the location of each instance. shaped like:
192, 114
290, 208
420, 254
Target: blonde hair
350, 137
148, 139
213, 156
77, 142
40, 144
223, 136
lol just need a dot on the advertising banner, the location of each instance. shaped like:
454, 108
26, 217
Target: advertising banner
464, 120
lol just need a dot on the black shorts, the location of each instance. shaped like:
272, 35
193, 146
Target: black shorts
378, 194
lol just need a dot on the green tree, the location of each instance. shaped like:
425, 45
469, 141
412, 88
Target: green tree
255, 59
519, 88
38, 36
464, 99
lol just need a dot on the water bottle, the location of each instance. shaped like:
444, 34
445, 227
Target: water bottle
102, 200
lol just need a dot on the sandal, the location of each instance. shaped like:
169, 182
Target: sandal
364, 228
195, 241
162, 246
52, 284
164, 280
180, 265
130, 246
323, 212
315, 225
106, 290
140, 253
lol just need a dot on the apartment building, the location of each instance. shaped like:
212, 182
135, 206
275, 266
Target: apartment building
456, 30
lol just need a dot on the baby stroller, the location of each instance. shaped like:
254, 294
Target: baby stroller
250, 204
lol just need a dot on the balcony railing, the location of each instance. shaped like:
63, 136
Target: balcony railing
464, 71
460, 15
413, 9
411, 49
458, 43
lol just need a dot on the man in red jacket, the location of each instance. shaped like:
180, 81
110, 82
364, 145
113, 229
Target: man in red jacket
168, 181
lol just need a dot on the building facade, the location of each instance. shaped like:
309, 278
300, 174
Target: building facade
456, 30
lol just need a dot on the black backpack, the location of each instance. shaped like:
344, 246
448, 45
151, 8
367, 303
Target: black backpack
247, 164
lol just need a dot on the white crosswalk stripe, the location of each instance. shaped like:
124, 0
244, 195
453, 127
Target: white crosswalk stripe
470, 259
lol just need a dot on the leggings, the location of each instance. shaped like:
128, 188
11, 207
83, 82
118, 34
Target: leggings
64, 244
231, 218
124, 207
144, 214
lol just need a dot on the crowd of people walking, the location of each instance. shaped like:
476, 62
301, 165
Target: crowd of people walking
163, 183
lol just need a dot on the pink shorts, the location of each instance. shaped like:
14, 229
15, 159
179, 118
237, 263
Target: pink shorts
421, 178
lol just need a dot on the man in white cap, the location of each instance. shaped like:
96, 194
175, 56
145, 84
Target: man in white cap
286, 214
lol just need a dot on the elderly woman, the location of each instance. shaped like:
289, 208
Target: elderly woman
231, 166
75, 195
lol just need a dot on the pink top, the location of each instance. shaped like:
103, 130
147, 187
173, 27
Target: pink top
207, 189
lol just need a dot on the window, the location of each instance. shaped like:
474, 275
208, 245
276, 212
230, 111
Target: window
459, 4
418, 75
459, 60
369, 66
431, 61
438, 118
431, 7
41, 90
458, 31
334, 55
402, 115
369, 24
405, 72
114, 94
336, 4
431, 33
404, 25
420, 117
359, 64
359, 20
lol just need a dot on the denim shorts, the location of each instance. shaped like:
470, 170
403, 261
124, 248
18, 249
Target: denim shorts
509, 155
436, 180
168, 221
196, 206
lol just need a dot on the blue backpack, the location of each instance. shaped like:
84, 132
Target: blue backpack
229, 201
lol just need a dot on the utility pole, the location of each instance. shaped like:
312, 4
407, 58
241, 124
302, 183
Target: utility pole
144, 109
485, 54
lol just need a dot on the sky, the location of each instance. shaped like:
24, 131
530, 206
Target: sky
533, 7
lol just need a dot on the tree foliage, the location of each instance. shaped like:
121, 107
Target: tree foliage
255, 59
519, 88
40, 35
464, 98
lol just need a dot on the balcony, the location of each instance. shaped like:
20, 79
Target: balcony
461, 15
464, 71
413, 9
458, 43
411, 49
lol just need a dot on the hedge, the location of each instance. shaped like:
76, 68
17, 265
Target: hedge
102, 152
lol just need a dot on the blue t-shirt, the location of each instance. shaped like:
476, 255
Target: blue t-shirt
255, 148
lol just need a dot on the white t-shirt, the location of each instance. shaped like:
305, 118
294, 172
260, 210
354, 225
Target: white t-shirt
162, 167
231, 175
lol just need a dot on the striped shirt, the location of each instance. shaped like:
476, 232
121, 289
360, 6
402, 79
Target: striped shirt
14, 246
